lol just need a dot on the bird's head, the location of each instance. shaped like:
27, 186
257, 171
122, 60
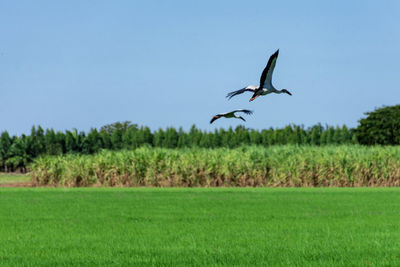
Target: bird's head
286, 91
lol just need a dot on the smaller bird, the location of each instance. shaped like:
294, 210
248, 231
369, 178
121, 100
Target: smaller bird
232, 115
265, 86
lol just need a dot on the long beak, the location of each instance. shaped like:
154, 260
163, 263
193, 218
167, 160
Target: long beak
254, 97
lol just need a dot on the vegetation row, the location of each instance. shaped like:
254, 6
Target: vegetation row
289, 165
379, 127
17, 152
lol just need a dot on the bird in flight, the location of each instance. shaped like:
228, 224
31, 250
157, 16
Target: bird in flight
266, 86
231, 115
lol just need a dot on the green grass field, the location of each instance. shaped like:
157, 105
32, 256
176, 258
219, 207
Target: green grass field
186, 227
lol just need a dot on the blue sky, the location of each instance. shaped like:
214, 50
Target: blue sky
83, 64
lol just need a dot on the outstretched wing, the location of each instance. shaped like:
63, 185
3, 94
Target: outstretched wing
245, 111
266, 76
216, 117
241, 91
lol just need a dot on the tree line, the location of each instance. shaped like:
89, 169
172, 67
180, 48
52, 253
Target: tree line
16, 152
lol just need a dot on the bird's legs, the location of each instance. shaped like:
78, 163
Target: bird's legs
254, 97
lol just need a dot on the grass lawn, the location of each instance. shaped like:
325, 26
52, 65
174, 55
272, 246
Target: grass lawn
6, 178
185, 227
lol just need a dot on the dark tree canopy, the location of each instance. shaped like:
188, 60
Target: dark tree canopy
381, 126
119, 126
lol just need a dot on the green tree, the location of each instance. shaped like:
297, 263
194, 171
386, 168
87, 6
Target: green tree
194, 136
53, 146
71, 144
330, 132
346, 135
255, 137
18, 158
316, 131
36, 142
206, 140
116, 139
121, 126
170, 138
93, 142
381, 126
159, 138
242, 135
216, 138
183, 140
130, 138
5, 144
146, 136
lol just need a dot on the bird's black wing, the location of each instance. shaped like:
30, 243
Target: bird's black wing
241, 91
266, 76
246, 111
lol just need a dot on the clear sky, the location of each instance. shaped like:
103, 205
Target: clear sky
82, 64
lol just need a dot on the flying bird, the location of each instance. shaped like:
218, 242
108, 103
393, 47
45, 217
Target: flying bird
266, 86
231, 115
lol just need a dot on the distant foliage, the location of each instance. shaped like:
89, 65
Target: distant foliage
17, 152
382, 126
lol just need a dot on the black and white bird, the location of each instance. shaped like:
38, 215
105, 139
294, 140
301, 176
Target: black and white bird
232, 115
266, 86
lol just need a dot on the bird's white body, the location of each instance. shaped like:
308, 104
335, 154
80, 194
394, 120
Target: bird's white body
265, 90
229, 115
266, 86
